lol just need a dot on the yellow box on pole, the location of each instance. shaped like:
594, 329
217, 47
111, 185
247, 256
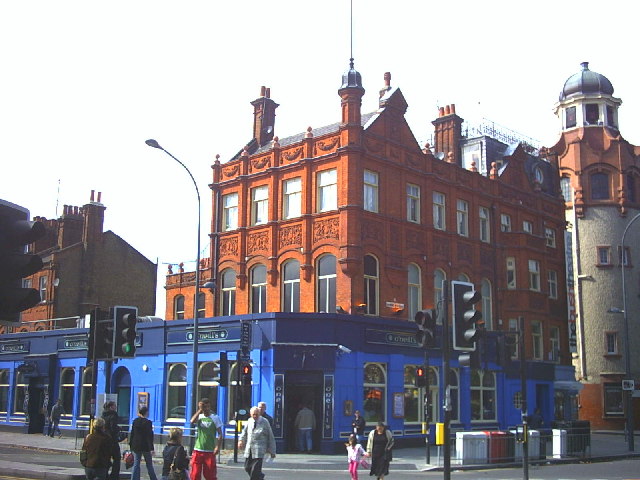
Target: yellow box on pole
439, 433
239, 426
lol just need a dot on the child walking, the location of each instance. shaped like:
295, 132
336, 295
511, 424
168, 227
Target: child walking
355, 452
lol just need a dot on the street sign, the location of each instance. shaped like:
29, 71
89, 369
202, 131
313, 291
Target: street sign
628, 385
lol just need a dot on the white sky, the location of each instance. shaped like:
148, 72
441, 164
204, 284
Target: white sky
85, 83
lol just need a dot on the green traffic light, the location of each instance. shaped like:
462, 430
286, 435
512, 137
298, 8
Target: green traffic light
126, 348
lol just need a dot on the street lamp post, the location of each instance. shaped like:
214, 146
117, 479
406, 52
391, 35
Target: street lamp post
194, 375
627, 352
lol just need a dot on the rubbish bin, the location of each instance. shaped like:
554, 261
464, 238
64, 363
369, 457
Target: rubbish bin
498, 447
471, 448
559, 444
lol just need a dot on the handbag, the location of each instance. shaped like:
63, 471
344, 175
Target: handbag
127, 457
364, 463
176, 473
83, 458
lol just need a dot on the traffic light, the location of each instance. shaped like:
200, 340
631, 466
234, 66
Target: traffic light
16, 231
506, 348
421, 376
104, 339
223, 380
124, 337
467, 321
246, 372
426, 322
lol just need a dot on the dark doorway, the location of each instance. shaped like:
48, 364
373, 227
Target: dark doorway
302, 388
35, 407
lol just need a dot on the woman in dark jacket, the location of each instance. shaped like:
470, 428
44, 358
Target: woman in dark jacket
174, 453
141, 444
379, 449
98, 448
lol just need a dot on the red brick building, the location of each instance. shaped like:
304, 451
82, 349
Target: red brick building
84, 268
357, 217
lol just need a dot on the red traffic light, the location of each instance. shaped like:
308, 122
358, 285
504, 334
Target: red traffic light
246, 369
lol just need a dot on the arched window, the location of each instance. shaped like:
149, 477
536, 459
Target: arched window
177, 391
4, 390
326, 288
439, 277
599, 186
291, 286
201, 304
178, 307
487, 304
228, 293
414, 294
85, 393
434, 395
374, 392
259, 289
208, 381
412, 396
483, 395
454, 390
20, 394
463, 277
565, 187
67, 388
371, 284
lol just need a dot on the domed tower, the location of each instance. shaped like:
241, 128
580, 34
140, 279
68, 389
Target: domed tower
599, 181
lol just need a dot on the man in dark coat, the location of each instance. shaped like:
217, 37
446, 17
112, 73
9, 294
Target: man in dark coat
110, 417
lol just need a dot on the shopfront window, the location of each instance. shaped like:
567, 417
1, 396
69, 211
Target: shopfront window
613, 404
434, 396
85, 395
375, 392
454, 383
177, 391
412, 396
67, 388
4, 390
483, 395
20, 394
208, 376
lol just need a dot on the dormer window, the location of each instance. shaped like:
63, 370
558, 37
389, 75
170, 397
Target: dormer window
591, 114
570, 117
611, 119
599, 186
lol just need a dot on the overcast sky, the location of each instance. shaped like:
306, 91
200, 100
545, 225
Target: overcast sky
85, 83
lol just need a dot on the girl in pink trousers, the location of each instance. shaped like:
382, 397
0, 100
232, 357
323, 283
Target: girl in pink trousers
355, 452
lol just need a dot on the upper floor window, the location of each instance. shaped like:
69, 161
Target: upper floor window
228, 292
413, 203
414, 294
552, 277
230, 212
259, 205
178, 307
485, 232
624, 257
599, 186
462, 216
327, 190
370, 191
527, 226
550, 237
611, 116
565, 187
326, 288
371, 284
591, 114
487, 304
511, 273
291, 198
554, 344
259, 289
604, 255
201, 300
536, 338
43, 288
570, 117
505, 222
611, 343
26, 283
291, 286
439, 210
534, 275
439, 277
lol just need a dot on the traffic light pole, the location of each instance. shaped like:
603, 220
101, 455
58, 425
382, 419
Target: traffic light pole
445, 365
523, 389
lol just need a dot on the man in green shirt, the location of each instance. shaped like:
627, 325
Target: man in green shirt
209, 430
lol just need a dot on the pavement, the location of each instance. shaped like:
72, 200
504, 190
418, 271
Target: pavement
605, 446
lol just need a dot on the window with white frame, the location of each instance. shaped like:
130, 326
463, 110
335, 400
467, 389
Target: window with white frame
511, 273
208, 381
454, 393
487, 304
413, 203
27, 283
554, 344
259, 289
565, 187
230, 212
20, 394
611, 343
439, 277
434, 395
550, 237
513, 340
260, 205
291, 286
505, 222
414, 294
485, 232
178, 307
176, 391
374, 393
462, 216
534, 275
201, 305
552, 277
413, 405
4, 390
604, 255
67, 388
370, 191
537, 339
85, 392
291, 198
228, 292
43, 288
624, 259
439, 211
483, 395
327, 190
527, 226
371, 284
326, 288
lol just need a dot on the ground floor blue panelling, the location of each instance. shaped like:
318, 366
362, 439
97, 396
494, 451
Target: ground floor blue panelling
334, 364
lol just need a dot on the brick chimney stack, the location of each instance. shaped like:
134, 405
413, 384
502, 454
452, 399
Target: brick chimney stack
264, 117
93, 219
448, 132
